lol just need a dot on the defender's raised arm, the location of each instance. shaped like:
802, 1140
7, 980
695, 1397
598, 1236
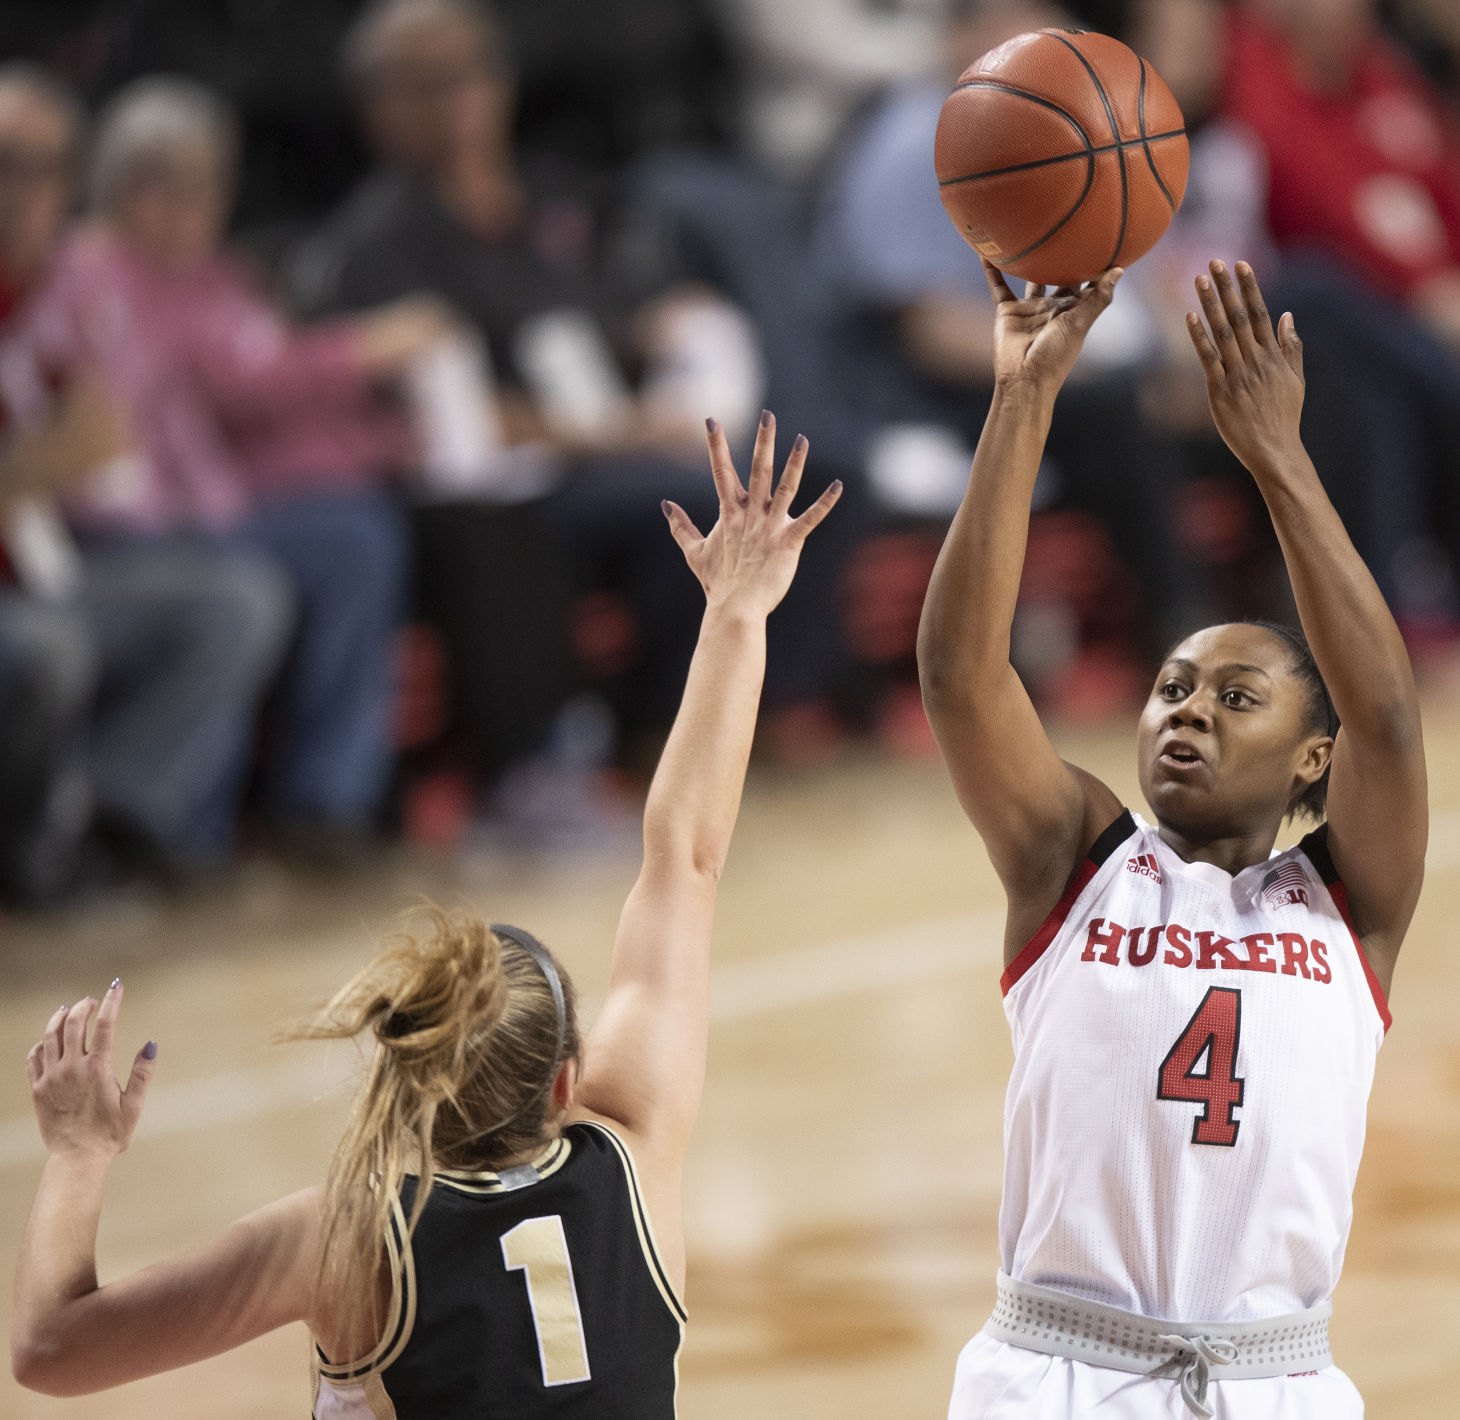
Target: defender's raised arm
1036, 814
645, 1058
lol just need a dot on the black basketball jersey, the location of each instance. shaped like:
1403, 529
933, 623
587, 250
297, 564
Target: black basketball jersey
532, 1294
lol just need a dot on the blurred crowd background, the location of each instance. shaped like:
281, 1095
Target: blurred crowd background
347, 350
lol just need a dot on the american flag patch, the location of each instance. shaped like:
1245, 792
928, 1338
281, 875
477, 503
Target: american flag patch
1285, 886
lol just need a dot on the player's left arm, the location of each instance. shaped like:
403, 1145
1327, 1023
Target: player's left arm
1378, 814
69, 1334
644, 1059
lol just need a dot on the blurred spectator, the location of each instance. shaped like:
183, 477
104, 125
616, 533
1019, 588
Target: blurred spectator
1364, 162
809, 65
607, 368
251, 435
127, 677
923, 317
1359, 168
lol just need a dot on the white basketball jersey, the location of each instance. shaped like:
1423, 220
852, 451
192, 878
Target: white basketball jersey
1193, 1053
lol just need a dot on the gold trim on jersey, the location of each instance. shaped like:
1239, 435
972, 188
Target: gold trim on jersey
484, 1182
645, 1228
401, 1319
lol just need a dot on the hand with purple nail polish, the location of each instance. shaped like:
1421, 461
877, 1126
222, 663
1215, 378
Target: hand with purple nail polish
81, 1109
749, 557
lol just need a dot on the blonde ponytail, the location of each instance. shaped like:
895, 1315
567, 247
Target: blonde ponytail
470, 1025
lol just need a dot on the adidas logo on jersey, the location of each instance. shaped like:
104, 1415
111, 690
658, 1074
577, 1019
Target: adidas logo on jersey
1146, 865
1286, 886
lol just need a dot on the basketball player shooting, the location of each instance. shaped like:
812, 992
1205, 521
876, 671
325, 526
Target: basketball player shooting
1195, 1018
501, 1232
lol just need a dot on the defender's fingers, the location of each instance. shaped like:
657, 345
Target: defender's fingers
818, 510
135, 1094
1206, 352
35, 1063
1222, 334
1291, 343
74, 1031
1262, 331
52, 1040
763, 460
105, 1030
790, 482
682, 527
998, 286
722, 467
1235, 308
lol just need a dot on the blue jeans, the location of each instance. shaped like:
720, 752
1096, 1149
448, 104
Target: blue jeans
131, 701
346, 557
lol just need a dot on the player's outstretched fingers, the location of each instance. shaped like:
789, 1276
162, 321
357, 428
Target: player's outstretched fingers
1222, 334
53, 1041
1211, 361
1262, 331
818, 510
763, 462
1235, 308
722, 467
135, 1094
103, 1034
790, 483
35, 1063
998, 287
682, 528
74, 1031
1290, 343
1088, 306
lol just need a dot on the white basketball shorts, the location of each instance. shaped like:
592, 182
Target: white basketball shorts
996, 1381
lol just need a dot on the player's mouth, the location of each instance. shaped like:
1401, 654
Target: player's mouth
1180, 757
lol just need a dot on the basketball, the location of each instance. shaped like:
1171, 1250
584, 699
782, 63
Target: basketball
1060, 154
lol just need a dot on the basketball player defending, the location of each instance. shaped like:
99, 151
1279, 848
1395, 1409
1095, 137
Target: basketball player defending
484, 1247
1195, 1018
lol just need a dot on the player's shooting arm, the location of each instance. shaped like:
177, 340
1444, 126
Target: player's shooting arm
1378, 818
1035, 813
69, 1334
645, 1057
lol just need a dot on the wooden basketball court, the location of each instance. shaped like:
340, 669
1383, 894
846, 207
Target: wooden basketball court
843, 1189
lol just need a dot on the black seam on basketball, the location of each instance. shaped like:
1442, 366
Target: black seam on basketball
1146, 141
1115, 135
1066, 157
1088, 155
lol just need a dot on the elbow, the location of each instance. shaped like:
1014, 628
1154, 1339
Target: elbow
37, 1364
684, 861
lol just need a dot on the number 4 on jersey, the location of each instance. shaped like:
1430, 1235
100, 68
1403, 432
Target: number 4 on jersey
1214, 1032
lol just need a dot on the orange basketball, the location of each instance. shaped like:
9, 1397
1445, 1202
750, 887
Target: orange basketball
1059, 154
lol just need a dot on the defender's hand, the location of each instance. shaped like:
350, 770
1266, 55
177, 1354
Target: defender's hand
79, 1105
1254, 375
750, 555
1037, 339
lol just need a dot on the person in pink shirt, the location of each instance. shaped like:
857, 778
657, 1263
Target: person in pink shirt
250, 433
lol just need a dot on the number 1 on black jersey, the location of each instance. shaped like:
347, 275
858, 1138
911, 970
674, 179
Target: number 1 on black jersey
538, 1248
1214, 1031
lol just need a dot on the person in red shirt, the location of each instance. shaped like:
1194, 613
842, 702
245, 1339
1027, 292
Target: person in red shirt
1364, 156
127, 678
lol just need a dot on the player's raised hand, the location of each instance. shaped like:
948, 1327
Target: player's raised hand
749, 557
1037, 338
79, 1105
1254, 373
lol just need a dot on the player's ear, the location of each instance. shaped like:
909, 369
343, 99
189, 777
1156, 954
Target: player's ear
565, 1087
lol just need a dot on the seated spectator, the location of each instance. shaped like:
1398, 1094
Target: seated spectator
607, 373
251, 437
129, 675
1362, 177
810, 65
918, 307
